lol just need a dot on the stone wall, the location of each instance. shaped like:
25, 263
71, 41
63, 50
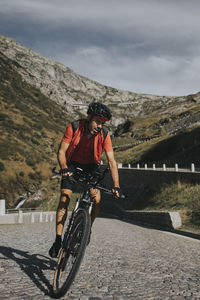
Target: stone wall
155, 177
135, 181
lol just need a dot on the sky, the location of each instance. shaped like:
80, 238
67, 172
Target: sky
143, 46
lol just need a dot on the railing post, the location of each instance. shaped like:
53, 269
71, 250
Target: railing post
138, 166
192, 167
20, 217
2, 207
129, 166
32, 218
164, 167
40, 216
154, 167
176, 167
145, 166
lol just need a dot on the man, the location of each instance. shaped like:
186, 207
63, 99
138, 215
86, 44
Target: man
82, 146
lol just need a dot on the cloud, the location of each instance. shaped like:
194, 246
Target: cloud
149, 46
151, 74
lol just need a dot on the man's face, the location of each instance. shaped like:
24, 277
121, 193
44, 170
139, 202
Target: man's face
95, 125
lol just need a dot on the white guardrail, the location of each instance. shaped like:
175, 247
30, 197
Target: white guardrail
163, 168
27, 215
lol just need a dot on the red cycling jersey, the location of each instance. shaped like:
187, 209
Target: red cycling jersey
84, 151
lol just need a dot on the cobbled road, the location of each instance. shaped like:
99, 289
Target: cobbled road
122, 261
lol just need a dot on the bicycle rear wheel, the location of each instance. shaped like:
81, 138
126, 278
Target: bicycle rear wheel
71, 256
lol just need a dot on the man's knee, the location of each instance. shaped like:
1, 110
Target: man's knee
64, 197
64, 200
96, 196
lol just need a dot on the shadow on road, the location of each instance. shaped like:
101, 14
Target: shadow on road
32, 265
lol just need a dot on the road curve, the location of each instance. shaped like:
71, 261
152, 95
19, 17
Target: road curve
122, 261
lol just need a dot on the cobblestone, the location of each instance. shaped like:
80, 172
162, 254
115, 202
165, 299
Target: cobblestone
122, 262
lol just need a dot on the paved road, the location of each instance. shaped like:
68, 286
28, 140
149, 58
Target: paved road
123, 261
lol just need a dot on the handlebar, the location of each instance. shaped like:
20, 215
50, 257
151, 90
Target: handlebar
89, 180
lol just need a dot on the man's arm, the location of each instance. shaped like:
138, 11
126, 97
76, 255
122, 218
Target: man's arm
62, 155
114, 170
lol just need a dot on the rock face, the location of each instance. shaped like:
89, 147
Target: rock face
73, 91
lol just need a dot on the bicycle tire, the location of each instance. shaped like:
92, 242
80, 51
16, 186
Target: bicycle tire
79, 236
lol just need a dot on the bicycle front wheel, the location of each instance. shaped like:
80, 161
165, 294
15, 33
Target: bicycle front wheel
71, 255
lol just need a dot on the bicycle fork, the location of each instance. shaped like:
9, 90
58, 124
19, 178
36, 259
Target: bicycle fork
87, 204
86, 201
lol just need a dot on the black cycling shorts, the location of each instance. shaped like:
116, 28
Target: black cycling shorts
87, 168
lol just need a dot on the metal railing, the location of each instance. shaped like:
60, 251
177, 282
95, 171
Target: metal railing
153, 167
24, 210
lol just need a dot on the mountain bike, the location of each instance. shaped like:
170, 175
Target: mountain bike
77, 233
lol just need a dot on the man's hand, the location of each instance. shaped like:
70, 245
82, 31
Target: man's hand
65, 172
116, 191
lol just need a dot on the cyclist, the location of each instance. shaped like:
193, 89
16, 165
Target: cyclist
81, 146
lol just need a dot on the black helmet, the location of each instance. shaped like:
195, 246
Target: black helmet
99, 109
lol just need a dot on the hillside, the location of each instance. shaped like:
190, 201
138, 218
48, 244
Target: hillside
182, 148
161, 139
31, 127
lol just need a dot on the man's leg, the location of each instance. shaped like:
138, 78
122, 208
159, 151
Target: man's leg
96, 197
61, 216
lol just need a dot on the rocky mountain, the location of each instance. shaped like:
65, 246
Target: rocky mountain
73, 92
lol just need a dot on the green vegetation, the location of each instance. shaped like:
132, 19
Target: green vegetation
183, 197
142, 128
2, 167
51, 204
182, 148
31, 126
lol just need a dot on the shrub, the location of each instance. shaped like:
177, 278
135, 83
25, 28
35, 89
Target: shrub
3, 117
35, 176
34, 141
30, 161
32, 176
196, 218
2, 167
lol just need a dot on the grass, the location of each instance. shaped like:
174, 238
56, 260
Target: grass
134, 154
182, 148
51, 203
184, 198
31, 127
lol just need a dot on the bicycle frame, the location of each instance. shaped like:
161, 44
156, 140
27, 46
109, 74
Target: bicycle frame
85, 200
77, 232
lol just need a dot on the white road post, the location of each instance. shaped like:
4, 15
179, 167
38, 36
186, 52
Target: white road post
192, 167
32, 218
2, 207
41, 216
20, 217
